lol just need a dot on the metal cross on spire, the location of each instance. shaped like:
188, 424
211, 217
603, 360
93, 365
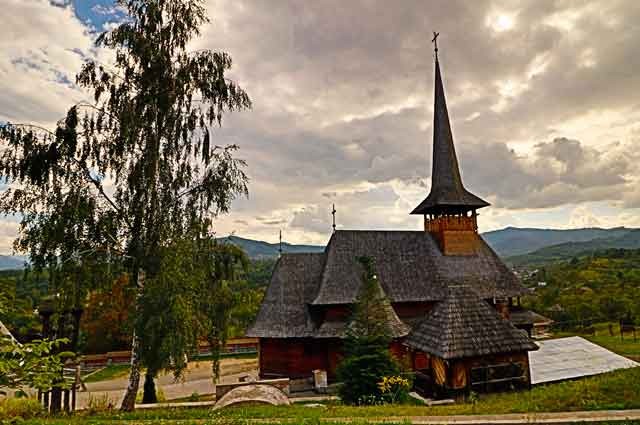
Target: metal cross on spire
333, 213
280, 244
434, 40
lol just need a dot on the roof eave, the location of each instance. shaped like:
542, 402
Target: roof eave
433, 207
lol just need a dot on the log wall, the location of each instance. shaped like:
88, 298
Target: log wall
298, 357
292, 357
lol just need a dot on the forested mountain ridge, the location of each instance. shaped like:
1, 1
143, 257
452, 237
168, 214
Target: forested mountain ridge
512, 241
569, 250
259, 249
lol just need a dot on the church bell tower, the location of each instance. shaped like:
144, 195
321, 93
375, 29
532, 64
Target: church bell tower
450, 211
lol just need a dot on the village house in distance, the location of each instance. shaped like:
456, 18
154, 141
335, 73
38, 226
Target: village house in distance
455, 316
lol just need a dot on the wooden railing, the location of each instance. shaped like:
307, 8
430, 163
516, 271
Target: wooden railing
443, 223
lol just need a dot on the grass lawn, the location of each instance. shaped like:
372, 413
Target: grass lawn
616, 390
109, 372
626, 347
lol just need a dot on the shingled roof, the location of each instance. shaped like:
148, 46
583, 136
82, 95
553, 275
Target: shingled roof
284, 312
447, 191
410, 267
527, 317
463, 325
397, 328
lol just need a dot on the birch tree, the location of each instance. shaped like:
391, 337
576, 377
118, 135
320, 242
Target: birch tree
141, 153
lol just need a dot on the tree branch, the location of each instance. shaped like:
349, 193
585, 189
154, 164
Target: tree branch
100, 188
84, 169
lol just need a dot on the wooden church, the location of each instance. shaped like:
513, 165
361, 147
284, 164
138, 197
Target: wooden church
452, 297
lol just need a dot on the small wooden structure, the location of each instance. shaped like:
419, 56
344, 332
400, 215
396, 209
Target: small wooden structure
464, 344
536, 325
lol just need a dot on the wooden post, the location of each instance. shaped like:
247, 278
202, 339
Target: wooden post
56, 399
73, 397
67, 402
45, 398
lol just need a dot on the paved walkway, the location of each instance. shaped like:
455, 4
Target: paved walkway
560, 418
507, 419
528, 418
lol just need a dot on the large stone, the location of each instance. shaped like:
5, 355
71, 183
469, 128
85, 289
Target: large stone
253, 393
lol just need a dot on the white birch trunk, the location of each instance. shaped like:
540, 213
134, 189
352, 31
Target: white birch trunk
129, 400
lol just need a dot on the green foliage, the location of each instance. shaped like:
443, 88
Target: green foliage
109, 372
259, 272
193, 292
20, 294
37, 364
20, 408
222, 265
367, 357
148, 132
104, 307
369, 321
360, 375
599, 287
394, 389
167, 316
99, 403
246, 303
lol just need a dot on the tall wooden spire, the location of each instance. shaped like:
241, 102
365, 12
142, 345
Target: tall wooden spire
447, 207
448, 195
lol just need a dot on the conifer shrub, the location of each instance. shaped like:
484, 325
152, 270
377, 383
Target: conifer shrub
360, 374
367, 358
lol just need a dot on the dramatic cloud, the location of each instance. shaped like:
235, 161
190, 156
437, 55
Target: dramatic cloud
542, 97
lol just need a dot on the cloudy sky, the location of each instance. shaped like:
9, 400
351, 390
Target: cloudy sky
543, 98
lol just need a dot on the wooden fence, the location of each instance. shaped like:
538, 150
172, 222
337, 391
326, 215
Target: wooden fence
233, 346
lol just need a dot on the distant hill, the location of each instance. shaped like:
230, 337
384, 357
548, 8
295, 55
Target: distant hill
513, 241
261, 249
9, 262
568, 250
541, 245
510, 242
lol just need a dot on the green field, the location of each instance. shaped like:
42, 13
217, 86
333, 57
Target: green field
109, 372
626, 347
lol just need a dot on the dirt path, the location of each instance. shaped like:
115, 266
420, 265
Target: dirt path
197, 379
